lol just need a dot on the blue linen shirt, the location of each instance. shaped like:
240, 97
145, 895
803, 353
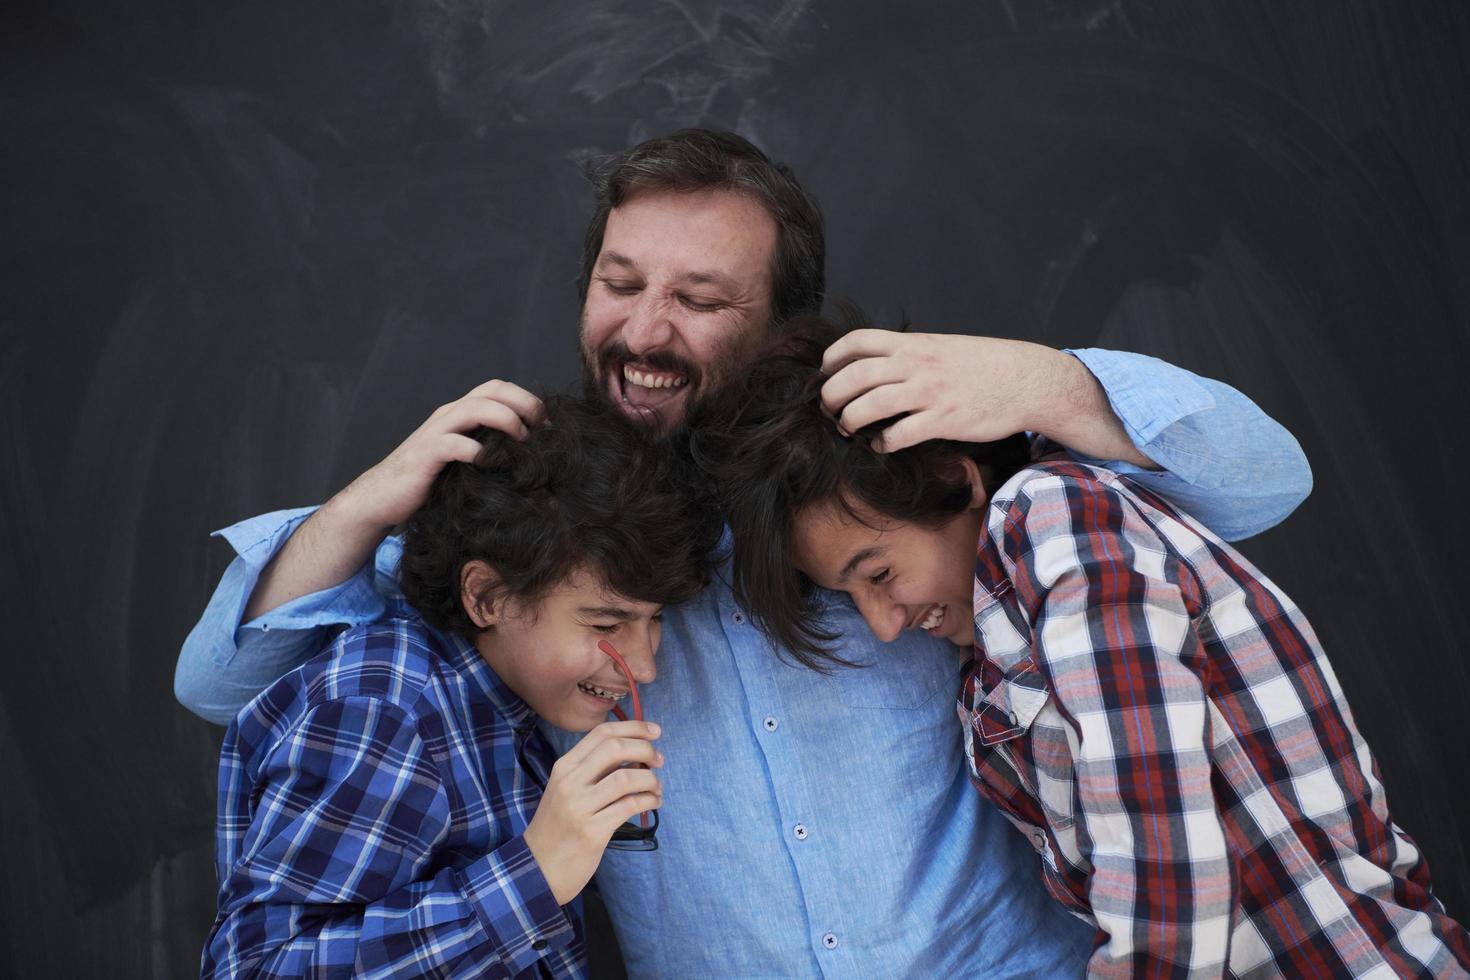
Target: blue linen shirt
372, 807
813, 825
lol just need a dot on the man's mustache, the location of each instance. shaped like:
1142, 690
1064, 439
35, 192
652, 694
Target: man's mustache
612, 358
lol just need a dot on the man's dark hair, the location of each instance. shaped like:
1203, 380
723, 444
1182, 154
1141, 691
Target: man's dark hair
701, 159
586, 489
770, 451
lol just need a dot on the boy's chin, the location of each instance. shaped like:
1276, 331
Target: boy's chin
578, 723
963, 636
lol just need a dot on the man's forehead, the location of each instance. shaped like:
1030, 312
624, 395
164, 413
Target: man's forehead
702, 236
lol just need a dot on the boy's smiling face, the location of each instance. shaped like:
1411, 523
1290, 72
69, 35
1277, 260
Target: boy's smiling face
900, 575
547, 652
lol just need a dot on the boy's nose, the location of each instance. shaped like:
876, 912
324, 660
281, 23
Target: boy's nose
884, 618
639, 657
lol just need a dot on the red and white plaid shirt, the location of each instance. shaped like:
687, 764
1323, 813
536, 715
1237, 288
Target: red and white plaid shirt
1161, 721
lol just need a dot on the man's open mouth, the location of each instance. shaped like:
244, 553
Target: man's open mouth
653, 379
643, 390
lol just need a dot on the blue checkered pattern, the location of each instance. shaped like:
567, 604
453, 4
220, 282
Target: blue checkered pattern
371, 811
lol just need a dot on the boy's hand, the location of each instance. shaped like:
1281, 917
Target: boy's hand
387, 494
589, 795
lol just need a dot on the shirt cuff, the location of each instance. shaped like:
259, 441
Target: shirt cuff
256, 541
1150, 396
513, 901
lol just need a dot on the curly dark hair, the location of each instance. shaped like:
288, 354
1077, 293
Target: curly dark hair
770, 451
586, 489
703, 159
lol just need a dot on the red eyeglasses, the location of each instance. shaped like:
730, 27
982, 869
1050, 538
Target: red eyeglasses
631, 836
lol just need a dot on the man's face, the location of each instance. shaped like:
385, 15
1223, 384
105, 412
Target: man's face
547, 653
679, 297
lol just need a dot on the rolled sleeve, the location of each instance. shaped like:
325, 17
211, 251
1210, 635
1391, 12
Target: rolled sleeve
1224, 461
224, 663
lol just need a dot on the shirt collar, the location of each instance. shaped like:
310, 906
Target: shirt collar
991, 582
465, 658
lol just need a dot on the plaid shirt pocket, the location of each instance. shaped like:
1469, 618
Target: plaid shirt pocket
1011, 701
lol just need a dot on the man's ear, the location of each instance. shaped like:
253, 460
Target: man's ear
477, 582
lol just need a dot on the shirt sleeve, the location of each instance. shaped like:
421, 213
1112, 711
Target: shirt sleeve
1226, 462
331, 875
1110, 609
225, 663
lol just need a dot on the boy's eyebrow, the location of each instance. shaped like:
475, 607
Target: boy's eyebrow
858, 559
614, 612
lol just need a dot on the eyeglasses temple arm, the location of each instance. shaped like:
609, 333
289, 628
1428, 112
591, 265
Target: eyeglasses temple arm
622, 666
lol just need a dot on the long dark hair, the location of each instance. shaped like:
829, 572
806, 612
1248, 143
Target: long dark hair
770, 452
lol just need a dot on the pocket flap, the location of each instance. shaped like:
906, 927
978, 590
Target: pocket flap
1008, 701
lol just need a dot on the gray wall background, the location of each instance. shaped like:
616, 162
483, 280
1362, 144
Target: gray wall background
248, 247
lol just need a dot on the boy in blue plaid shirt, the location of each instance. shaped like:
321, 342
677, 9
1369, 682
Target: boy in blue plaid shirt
390, 808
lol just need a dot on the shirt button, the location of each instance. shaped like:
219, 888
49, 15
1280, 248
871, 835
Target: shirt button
738, 618
539, 945
770, 724
800, 831
1013, 718
830, 941
1039, 838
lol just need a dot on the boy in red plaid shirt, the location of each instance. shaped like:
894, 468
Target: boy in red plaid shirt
1153, 713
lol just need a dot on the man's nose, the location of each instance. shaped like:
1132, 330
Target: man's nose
883, 617
648, 326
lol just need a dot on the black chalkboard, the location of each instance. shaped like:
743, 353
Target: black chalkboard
247, 247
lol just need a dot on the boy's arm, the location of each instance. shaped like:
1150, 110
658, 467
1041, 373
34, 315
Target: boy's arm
350, 808
1199, 443
1114, 639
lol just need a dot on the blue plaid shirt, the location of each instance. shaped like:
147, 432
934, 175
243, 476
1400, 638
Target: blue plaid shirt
371, 811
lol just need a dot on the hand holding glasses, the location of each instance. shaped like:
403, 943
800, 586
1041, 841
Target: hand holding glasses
631, 836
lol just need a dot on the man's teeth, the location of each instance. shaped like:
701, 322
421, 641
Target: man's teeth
644, 379
933, 619
598, 692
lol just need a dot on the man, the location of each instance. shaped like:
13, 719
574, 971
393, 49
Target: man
813, 824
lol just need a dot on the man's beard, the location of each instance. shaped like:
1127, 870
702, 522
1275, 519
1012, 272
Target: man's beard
705, 384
